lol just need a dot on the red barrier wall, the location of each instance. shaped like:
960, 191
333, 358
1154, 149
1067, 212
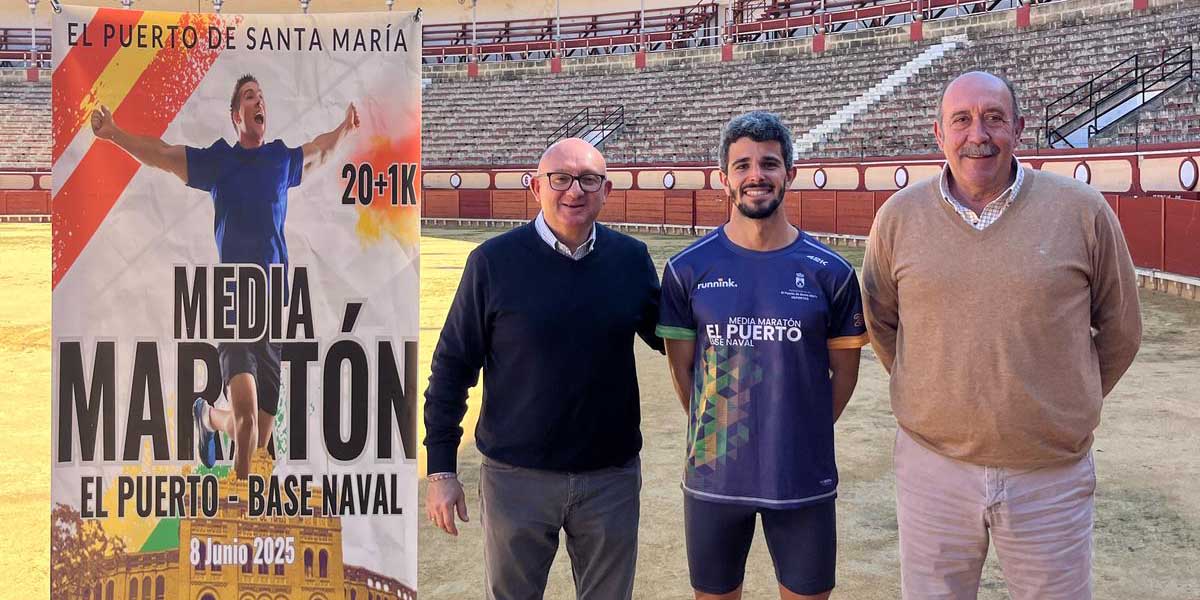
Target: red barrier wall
532, 208
880, 198
791, 204
645, 207
475, 204
613, 210
1141, 218
678, 207
1113, 200
818, 211
439, 204
1162, 233
25, 202
508, 204
1182, 237
712, 208
855, 211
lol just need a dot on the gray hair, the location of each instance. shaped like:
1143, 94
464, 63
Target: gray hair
760, 126
1012, 93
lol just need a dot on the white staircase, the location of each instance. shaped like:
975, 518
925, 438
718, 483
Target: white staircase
1081, 136
859, 105
596, 137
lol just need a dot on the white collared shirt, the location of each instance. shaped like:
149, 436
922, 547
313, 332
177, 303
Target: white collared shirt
992, 211
548, 236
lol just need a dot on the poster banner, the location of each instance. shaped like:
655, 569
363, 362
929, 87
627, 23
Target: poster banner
235, 216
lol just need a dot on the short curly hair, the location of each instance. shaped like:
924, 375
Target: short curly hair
760, 126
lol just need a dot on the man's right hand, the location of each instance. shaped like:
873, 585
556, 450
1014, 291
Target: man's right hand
443, 499
102, 123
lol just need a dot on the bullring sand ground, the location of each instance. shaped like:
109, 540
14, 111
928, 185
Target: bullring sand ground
1147, 449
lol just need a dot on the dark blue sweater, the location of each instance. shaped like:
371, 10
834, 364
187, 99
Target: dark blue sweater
554, 337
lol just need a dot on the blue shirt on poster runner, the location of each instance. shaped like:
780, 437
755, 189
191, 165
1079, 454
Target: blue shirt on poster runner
760, 428
249, 189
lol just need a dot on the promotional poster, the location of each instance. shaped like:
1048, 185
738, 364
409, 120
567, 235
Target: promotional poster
236, 217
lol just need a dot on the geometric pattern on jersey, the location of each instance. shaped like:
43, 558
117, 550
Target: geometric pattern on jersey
763, 323
720, 427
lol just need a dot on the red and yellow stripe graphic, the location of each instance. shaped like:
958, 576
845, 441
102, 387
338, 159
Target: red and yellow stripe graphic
72, 93
144, 87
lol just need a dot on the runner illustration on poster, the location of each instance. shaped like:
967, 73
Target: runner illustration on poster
249, 183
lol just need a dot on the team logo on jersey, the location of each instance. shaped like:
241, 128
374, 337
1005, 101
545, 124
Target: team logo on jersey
721, 282
797, 292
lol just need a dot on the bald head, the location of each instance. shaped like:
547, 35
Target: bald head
977, 83
572, 151
978, 129
578, 171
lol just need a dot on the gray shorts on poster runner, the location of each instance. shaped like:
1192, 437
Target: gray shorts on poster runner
261, 360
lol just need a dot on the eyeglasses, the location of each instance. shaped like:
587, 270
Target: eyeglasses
562, 182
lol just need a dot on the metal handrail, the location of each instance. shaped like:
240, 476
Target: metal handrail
571, 126
1142, 81
583, 26
612, 120
1090, 83
580, 124
24, 39
691, 25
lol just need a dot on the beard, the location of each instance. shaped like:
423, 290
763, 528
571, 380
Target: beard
761, 211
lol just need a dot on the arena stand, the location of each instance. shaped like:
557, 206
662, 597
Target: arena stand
675, 103
1044, 62
26, 125
24, 148
857, 81
1173, 118
673, 112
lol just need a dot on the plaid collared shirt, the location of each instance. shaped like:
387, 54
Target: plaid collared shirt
548, 236
994, 209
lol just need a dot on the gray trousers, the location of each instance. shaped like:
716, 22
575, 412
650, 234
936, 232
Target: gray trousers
523, 511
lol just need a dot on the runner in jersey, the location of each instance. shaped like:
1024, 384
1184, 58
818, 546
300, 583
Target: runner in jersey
764, 328
249, 183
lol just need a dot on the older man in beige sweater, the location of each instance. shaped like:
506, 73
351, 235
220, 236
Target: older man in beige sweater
1003, 302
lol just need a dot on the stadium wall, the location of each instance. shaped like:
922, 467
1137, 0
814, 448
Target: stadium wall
1028, 15
1158, 209
25, 194
1153, 192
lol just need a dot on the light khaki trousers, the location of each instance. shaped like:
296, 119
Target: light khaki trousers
1039, 519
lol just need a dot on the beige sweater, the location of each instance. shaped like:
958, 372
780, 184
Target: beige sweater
1002, 343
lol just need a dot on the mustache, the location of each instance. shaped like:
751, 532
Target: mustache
984, 150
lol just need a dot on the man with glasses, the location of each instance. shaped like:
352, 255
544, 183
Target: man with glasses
548, 311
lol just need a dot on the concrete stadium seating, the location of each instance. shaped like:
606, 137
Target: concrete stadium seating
1043, 64
24, 125
674, 109
673, 113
